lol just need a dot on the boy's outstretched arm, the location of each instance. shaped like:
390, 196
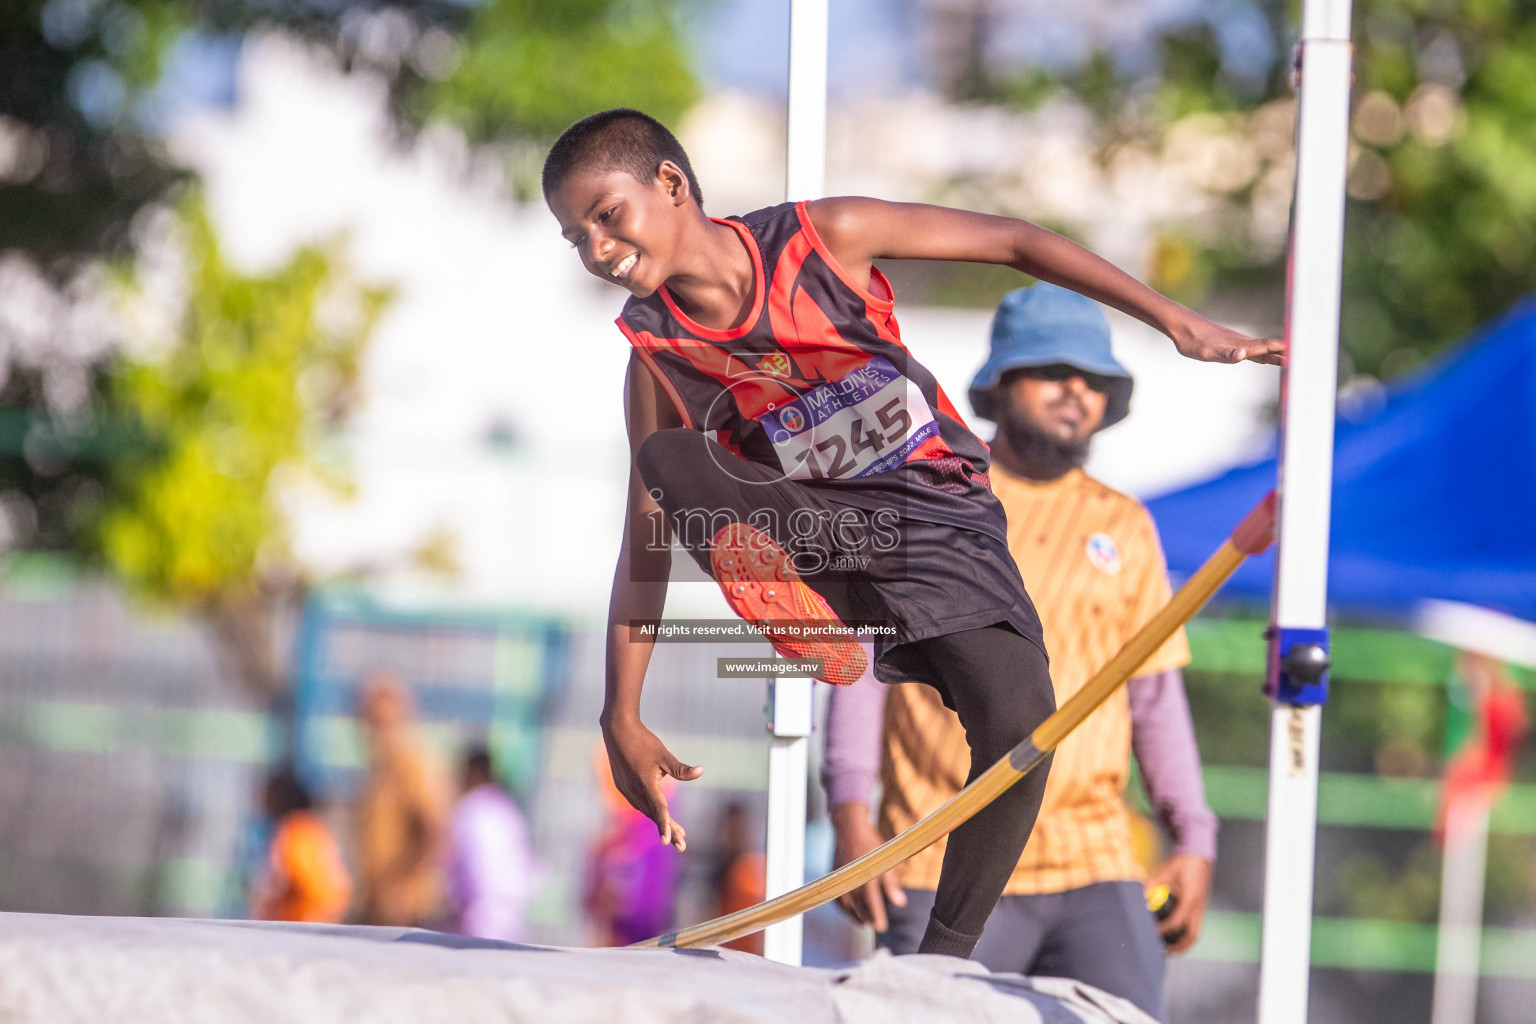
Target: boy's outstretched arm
859, 231
637, 756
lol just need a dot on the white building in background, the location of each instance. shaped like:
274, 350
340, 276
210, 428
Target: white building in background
492, 410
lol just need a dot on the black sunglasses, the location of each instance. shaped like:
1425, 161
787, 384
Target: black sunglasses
1061, 371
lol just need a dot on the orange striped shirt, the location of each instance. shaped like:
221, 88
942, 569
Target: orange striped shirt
1092, 562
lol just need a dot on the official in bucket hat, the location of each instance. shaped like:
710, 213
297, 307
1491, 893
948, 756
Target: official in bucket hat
1046, 325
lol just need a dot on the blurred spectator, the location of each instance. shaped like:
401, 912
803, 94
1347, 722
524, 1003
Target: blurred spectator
740, 878
492, 872
402, 814
304, 878
631, 882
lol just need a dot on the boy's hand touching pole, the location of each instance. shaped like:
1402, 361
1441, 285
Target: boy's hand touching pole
640, 761
1199, 338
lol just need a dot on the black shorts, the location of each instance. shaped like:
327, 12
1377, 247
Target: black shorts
923, 578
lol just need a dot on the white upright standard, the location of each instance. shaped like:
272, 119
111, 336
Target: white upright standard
790, 701
1298, 660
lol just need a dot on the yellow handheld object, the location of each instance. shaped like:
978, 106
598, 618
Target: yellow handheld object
1251, 537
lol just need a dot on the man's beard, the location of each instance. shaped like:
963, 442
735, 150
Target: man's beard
1045, 457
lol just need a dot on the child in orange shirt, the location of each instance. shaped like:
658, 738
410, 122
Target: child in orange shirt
304, 878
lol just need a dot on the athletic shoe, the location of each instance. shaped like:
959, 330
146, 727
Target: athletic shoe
762, 587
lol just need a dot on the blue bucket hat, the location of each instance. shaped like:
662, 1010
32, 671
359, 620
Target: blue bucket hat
1046, 325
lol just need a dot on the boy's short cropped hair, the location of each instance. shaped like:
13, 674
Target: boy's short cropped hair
619, 140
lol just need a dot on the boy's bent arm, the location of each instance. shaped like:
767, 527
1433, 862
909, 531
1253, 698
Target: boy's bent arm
859, 230
636, 755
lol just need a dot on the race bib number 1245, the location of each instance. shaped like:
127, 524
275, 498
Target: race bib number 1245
868, 422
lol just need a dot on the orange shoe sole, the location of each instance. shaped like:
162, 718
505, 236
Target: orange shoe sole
762, 587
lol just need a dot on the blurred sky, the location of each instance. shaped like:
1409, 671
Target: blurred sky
876, 47
880, 46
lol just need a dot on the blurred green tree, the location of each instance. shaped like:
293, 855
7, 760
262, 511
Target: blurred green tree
80, 143
80, 156
233, 379
572, 57
1441, 230
83, 95
80, 81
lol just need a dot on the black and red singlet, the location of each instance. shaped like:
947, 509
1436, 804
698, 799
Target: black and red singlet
817, 384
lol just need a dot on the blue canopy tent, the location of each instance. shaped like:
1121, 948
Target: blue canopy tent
1434, 488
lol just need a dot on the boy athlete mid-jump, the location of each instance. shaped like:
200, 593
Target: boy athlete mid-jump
783, 435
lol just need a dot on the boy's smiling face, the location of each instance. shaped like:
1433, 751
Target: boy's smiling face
625, 231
